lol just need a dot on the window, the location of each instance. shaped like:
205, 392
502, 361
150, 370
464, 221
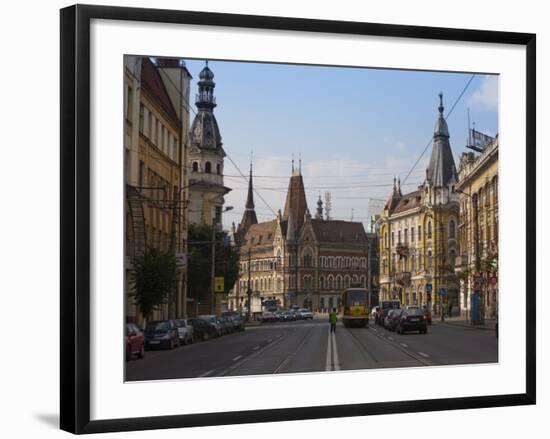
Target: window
452, 229
419, 233
429, 230
141, 174
406, 236
208, 167
157, 132
195, 167
399, 237
175, 148
141, 116
129, 102
392, 239
218, 169
386, 239
412, 234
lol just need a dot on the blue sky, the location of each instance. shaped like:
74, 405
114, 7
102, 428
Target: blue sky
354, 128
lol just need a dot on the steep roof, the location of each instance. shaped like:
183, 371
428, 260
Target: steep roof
152, 82
249, 215
339, 231
408, 201
295, 200
261, 234
441, 170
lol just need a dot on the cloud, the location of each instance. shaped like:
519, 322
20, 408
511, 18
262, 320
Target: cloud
485, 98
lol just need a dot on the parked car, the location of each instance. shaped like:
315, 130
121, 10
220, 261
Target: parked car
278, 315
202, 329
268, 316
212, 320
185, 331
385, 306
288, 316
135, 342
412, 320
236, 319
161, 334
226, 324
427, 314
391, 319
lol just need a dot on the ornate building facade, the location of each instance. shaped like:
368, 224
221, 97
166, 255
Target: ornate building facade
156, 126
478, 230
206, 157
419, 233
295, 259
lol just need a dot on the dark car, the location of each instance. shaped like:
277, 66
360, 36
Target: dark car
236, 319
161, 334
202, 329
226, 324
135, 342
412, 320
214, 321
288, 316
268, 316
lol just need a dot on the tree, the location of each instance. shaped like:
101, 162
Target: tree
154, 277
200, 260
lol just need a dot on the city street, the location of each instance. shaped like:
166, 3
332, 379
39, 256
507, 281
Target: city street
307, 346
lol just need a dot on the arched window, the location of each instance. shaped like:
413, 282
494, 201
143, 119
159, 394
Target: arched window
338, 282
386, 239
195, 167
308, 258
429, 260
346, 281
452, 229
363, 281
218, 169
452, 259
208, 167
321, 283
330, 283
429, 230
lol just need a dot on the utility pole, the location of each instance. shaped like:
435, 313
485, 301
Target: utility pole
213, 270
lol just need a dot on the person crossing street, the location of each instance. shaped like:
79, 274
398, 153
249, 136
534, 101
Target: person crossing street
332, 318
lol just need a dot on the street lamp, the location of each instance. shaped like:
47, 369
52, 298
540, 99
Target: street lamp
213, 263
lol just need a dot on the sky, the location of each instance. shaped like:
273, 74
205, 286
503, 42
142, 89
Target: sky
353, 128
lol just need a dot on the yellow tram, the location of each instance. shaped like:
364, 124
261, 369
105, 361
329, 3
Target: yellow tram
356, 307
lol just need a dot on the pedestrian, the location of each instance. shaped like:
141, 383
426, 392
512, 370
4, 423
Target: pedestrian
332, 318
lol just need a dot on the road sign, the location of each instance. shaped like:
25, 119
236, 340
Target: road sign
429, 288
442, 291
218, 284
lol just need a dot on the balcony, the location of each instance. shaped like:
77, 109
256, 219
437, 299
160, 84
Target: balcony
403, 278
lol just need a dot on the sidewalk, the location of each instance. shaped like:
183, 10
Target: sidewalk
489, 324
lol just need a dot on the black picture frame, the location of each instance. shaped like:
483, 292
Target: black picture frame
75, 217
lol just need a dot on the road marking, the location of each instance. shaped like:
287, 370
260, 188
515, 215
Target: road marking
208, 372
424, 355
237, 357
404, 345
329, 353
255, 348
335, 350
390, 338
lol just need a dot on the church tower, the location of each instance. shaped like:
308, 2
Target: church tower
206, 154
296, 203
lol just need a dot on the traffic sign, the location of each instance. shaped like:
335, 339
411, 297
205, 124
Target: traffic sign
429, 288
218, 284
442, 291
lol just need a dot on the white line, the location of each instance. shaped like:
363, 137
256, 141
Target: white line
404, 345
237, 357
390, 338
424, 355
208, 372
329, 353
255, 348
335, 349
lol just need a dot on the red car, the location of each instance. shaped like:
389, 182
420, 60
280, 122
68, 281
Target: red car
135, 342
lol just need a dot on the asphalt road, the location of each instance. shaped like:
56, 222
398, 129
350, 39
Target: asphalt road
308, 346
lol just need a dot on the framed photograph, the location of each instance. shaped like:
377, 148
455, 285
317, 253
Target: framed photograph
274, 218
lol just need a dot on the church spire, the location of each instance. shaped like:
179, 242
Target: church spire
249, 215
295, 200
441, 170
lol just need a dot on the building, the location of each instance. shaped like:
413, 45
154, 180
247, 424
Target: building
156, 123
206, 155
295, 259
418, 233
477, 188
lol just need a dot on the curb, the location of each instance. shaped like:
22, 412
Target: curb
462, 325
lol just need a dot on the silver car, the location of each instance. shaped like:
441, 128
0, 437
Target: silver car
185, 331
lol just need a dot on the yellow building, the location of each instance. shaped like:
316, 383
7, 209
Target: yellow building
156, 127
477, 188
418, 233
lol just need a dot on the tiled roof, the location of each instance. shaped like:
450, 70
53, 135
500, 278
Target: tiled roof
261, 234
408, 201
339, 231
152, 82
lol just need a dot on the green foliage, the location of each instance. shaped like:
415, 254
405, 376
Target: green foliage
153, 277
200, 259
489, 263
